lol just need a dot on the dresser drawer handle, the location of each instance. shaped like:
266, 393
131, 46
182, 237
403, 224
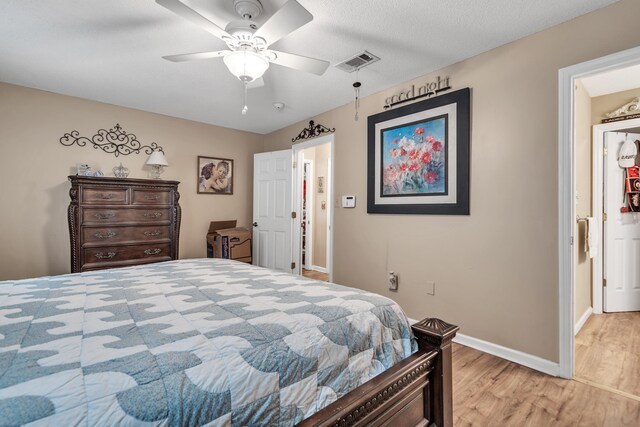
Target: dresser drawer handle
103, 196
102, 255
152, 233
152, 215
151, 196
107, 235
105, 215
152, 251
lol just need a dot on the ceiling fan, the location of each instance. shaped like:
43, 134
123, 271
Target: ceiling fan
248, 56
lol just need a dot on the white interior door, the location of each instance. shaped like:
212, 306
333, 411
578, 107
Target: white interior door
272, 210
621, 235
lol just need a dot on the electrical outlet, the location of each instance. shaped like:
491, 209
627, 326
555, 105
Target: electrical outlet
393, 281
431, 288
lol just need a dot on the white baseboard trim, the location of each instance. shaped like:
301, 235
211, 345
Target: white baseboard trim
519, 357
583, 319
319, 269
516, 356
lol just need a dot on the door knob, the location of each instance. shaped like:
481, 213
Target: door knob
255, 224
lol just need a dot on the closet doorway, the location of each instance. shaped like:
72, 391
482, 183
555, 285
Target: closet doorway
313, 184
607, 237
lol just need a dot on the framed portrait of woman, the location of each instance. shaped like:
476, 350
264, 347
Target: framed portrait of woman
215, 175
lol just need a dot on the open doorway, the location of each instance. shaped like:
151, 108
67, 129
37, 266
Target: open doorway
606, 237
313, 183
567, 212
608, 334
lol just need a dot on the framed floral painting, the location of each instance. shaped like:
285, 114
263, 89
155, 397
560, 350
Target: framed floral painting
418, 157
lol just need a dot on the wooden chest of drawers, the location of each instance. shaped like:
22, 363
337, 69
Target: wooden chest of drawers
116, 222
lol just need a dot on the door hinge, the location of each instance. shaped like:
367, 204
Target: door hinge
605, 151
293, 215
293, 265
294, 164
604, 283
571, 240
604, 216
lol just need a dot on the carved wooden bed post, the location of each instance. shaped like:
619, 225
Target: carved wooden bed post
435, 334
415, 392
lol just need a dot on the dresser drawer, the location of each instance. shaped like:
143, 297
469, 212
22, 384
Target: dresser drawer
105, 254
151, 197
107, 235
94, 216
105, 196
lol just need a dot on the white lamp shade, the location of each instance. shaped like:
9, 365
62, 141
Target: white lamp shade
246, 65
157, 158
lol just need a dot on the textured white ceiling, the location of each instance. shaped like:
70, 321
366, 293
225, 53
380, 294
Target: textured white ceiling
110, 51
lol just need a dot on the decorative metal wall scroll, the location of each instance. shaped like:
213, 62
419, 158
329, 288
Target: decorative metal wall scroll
115, 141
312, 131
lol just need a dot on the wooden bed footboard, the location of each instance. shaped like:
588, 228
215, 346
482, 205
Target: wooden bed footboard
415, 392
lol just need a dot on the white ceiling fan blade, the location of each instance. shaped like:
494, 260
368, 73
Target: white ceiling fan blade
195, 56
189, 14
302, 63
286, 20
259, 82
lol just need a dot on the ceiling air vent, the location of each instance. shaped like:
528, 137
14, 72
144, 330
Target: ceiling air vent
356, 62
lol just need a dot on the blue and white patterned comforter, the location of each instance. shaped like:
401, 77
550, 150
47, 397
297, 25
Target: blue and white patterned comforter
195, 342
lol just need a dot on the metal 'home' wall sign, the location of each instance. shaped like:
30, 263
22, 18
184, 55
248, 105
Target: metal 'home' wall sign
115, 141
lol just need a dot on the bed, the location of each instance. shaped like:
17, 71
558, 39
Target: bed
218, 343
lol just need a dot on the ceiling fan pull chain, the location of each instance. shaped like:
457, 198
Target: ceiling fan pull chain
245, 108
356, 87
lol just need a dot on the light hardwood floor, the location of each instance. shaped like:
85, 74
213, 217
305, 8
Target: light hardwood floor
316, 275
608, 351
489, 391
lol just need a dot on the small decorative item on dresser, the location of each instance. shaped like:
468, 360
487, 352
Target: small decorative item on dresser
121, 171
158, 162
81, 168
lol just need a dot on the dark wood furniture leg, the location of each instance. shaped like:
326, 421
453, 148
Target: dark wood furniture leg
414, 392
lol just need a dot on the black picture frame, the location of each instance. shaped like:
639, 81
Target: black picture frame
452, 110
209, 182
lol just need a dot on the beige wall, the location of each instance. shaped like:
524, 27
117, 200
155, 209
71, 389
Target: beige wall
607, 103
35, 166
496, 271
582, 295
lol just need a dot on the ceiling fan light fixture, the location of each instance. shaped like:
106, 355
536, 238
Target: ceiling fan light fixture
246, 65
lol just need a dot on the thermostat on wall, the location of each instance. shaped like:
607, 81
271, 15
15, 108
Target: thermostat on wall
348, 201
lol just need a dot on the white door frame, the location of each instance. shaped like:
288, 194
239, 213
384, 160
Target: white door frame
310, 211
597, 204
566, 191
297, 200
